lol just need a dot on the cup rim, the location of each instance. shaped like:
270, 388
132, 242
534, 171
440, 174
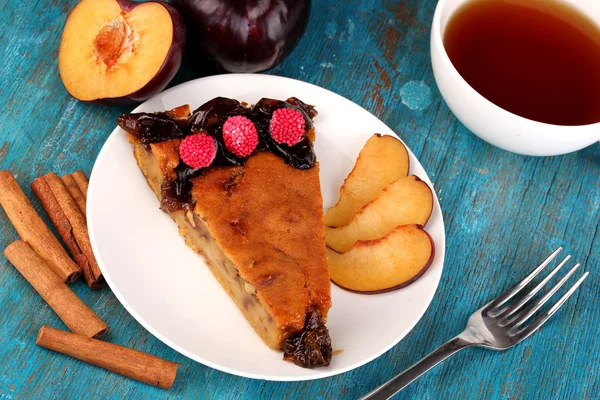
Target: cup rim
436, 35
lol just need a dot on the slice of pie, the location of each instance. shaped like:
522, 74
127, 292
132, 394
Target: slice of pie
242, 184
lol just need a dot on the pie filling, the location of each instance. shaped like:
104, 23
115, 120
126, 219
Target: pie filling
201, 241
170, 180
243, 293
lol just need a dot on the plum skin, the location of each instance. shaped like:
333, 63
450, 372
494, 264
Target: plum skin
169, 67
402, 285
221, 45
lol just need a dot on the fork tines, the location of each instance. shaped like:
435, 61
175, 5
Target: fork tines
513, 316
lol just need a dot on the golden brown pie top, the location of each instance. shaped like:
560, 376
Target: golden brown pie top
267, 217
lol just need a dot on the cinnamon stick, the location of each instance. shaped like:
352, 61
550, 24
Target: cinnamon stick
69, 308
82, 182
33, 230
75, 192
41, 189
128, 362
76, 232
56, 214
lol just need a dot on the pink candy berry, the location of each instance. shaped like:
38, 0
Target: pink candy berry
287, 126
198, 150
240, 135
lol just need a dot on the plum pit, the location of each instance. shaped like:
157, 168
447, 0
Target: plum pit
111, 42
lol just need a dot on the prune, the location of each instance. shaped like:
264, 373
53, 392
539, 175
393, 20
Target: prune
301, 155
312, 347
180, 115
211, 115
150, 128
308, 109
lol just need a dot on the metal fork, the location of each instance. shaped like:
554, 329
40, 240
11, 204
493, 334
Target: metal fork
492, 326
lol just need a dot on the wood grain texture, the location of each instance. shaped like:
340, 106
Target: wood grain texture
503, 213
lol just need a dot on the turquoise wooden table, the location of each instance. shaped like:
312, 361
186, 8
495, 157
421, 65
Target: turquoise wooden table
503, 212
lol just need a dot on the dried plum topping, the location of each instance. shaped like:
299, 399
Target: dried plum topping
209, 119
150, 128
263, 110
302, 154
210, 116
225, 158
312, 347
308, 110
181, 115
170, 201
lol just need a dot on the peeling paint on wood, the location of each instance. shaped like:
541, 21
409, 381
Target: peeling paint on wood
503, 212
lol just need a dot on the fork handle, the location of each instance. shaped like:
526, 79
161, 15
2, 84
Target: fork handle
398, 383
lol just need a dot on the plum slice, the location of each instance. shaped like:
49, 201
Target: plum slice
382, 160
408, 200
385, 264
117, 51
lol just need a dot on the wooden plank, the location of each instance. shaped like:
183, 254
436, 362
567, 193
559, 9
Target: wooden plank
503, 213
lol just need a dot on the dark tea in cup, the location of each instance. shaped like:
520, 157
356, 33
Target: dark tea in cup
539, 59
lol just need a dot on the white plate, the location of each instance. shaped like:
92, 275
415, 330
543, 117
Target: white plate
169, 290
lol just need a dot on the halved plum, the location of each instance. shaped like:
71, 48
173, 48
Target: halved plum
118, 51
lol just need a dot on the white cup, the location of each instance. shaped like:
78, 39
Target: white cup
492, 123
